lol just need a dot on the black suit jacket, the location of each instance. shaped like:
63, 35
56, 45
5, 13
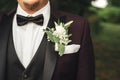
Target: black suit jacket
77, 66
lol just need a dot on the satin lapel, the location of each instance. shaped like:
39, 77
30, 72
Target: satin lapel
51, 54
50, 61
5, 27
50, 57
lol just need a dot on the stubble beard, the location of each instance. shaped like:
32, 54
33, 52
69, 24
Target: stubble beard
31, 7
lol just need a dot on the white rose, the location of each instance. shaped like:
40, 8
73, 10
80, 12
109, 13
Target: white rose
60, 30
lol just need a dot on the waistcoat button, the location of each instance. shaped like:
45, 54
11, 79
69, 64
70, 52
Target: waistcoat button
25, 76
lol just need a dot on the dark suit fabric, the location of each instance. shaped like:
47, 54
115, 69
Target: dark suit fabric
76, 66
16, 71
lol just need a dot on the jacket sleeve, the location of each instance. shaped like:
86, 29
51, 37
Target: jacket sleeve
86, 64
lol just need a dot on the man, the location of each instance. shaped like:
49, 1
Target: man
26, 54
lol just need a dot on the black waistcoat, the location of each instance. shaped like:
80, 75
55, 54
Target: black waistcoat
16, 71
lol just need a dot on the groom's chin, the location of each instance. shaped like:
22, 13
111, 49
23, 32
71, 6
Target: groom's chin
31, 6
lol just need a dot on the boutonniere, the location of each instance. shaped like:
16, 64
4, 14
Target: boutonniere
59, 35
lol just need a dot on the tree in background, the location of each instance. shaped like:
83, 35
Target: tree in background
111, 13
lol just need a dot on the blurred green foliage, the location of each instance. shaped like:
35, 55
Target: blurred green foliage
105, 28
107, 52
98, 15
110, 14
114, 3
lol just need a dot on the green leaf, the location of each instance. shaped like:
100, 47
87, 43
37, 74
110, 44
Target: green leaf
50, 36
61, 49
68, 24
56, 39
69, 35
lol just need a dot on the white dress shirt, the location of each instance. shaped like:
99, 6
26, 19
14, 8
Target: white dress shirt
27, 38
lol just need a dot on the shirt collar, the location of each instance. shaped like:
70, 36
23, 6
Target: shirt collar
45, 11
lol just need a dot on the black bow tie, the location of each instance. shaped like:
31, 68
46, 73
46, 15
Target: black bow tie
22, 20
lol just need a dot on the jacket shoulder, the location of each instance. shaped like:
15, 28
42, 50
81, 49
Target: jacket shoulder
69, 16
78, 21
7, 14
